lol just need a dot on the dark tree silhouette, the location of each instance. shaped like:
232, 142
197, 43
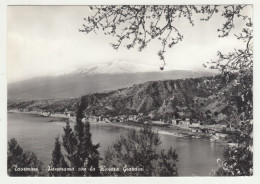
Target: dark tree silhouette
19, 161
80, 151
139, 149
58, 160
167, 165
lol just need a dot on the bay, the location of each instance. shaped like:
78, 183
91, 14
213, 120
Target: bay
37, 134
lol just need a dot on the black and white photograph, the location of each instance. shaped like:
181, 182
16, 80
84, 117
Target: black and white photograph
130, 90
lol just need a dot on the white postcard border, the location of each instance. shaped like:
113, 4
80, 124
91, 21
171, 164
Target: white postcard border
68, 180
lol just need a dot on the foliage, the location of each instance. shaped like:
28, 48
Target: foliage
19, 161
58, 160
238, 159
139, 25
167, 165
139, 149
80, 151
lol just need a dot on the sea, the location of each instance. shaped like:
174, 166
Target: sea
37, 134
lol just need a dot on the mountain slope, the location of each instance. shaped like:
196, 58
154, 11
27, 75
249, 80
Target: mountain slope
74, 85
118, 67
194, 98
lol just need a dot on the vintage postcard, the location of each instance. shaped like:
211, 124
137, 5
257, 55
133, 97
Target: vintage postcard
130, 90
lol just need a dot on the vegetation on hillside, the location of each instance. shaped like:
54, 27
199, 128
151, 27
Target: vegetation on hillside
198, 98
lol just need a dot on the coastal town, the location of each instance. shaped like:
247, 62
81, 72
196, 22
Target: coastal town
178, 125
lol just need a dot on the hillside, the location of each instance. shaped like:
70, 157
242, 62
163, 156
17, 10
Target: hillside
73, 86
93, 79
195, 98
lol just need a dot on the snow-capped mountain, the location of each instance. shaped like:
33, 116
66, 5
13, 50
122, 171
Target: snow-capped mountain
93, 79
117, 67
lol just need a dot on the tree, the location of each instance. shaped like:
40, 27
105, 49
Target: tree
141, 24
81, 153
58, 160
236, 69
135, 25
167, 165
238, 159
139, 150
21, 163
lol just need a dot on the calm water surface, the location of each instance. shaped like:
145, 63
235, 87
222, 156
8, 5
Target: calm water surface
37, 134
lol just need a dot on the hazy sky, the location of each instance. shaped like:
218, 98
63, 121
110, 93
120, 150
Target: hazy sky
44, 40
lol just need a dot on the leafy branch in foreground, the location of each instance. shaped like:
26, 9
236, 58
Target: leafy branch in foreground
238, 161
238, 158
139, 25
135, 25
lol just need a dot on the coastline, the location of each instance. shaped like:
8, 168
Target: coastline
102, 133
103, 123
160, 131
127, 125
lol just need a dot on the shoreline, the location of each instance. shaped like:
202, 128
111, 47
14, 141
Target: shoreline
183, 145
127, 125
73, 120
171, 132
